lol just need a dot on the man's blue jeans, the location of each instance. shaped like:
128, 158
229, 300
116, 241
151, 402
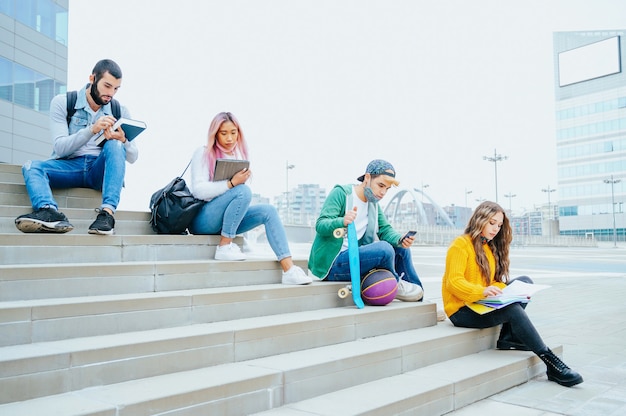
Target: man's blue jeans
377, 255
230, 214
104, 172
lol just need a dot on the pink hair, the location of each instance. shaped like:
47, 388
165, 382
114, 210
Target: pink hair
213, 150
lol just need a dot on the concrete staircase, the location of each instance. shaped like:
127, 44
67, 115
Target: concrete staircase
145, 324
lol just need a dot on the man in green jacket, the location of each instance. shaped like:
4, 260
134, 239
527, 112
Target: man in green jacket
380, 246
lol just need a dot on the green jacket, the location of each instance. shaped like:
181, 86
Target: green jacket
325, 246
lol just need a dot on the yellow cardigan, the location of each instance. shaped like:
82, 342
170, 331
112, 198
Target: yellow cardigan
462, 281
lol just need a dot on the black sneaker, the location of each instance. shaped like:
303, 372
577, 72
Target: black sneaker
103, 224
43, 220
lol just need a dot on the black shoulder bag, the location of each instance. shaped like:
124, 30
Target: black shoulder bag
174, 207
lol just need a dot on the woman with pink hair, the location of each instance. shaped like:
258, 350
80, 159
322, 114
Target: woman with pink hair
227, 210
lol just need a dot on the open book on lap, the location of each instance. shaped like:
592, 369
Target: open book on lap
225, 169
517, 291
131, 128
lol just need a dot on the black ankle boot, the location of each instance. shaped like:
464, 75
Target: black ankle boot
558, 371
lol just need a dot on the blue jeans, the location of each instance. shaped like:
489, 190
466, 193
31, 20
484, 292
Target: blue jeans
377, 255
513, 318
230, 214
104, 172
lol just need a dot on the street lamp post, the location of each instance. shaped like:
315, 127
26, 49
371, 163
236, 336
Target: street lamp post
549, 191
424, 187
466, 194
613, 182
495, 159
287, 168
510, 196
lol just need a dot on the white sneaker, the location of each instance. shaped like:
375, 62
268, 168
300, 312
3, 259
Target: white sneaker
409, 292
441, 315
229, 251
296, 276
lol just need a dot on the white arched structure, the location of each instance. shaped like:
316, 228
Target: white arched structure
392, 208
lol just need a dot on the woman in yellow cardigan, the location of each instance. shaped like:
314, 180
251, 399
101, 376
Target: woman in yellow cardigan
477, 266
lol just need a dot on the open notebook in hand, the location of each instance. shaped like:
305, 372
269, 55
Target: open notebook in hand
131, 128
225, 169
517, 291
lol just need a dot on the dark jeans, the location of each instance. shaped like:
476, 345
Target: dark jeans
513, 318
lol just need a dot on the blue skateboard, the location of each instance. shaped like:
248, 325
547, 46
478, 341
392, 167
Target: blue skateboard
355, 267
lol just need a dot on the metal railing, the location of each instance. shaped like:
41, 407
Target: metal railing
443, 236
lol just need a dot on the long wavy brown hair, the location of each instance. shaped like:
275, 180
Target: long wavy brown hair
499, 245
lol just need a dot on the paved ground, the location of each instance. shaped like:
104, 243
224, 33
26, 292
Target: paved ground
584, 310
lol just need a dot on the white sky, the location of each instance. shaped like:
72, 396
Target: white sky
432, 86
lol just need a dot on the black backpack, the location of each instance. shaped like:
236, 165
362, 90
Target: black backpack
71, 102
173, 207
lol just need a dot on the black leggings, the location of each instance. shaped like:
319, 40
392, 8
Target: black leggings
513, 315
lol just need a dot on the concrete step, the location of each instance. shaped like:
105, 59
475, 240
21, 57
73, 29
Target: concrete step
248, 386
435, 389
13, 194
26, 322
56, 367
126, 222
44, 281
38, 248
232, 390
10, 173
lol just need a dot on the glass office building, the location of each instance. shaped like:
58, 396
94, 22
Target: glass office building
33, 69
590, 92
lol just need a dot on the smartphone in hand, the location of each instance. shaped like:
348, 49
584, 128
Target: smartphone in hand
408, 234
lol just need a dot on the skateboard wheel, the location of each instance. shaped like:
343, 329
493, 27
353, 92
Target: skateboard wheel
339, 232
343, 292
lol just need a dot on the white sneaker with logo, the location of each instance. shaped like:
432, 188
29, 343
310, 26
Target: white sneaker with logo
409, 292
296, 276
230, 252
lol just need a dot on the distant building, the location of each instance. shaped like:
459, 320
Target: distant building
459, 215
590, 94
33, 69
258, 199
301, 205
528, 224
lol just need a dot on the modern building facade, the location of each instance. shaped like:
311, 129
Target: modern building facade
33, 69
301, 205
590, 94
